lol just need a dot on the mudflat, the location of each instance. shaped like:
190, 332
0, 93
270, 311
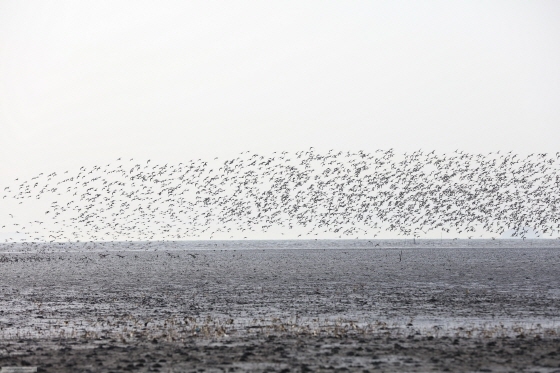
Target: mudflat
282, 309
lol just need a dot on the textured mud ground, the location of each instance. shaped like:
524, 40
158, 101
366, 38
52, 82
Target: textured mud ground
413, 309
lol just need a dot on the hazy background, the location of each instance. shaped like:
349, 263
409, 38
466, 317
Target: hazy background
83, 83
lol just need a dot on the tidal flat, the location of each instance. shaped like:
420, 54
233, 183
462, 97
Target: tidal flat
224, 307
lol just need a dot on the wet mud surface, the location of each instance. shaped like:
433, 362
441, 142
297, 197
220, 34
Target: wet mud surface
413, 309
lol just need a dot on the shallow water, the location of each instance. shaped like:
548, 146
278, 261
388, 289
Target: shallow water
425, 285
280, 245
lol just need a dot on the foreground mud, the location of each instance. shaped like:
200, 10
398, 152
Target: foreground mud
289, 353
418, 309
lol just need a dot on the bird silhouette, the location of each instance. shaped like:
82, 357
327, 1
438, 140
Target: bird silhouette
309, 193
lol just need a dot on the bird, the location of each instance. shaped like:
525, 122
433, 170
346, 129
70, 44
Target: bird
342, 193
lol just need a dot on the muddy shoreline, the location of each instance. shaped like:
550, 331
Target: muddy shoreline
418, 309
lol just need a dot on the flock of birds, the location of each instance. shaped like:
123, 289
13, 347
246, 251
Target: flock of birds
342, 193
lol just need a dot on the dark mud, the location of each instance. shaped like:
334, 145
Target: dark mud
418, 309
289, 353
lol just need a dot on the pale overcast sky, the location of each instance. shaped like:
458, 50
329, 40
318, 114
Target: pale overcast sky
85, 82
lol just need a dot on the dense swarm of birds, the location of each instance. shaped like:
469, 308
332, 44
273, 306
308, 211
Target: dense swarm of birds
342, 193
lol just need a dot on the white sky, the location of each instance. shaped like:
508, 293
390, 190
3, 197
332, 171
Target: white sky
86, 82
